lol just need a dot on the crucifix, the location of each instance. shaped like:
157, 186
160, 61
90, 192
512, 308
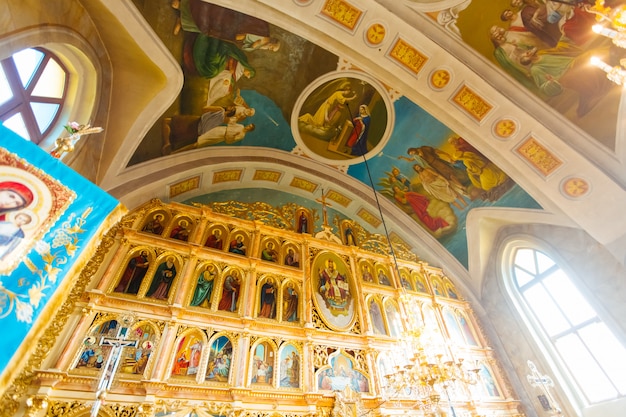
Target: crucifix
110, 366
322, 200
544, 382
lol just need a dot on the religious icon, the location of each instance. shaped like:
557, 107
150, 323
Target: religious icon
230, 292
204, 287
289, 367
290, 303
181, 231
133, 275
342, 118
267, 297
262, 366
220, 358
30, 203
162, 280
155, 225
333, 293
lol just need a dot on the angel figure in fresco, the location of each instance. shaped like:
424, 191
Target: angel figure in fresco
162, 281
334, 288
204, 287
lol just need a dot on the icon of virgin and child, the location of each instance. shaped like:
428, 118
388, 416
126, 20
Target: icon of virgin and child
334, 288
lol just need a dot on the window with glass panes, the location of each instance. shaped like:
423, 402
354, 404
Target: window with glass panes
592, 354
33, 86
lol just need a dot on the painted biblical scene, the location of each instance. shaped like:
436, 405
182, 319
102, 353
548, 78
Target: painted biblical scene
290, 366
437, 177
340, 374
220, 359
242, 79
342, 117
93, 355
263, 364
242, 72
135, 359
546, 46
333, 291
188, 354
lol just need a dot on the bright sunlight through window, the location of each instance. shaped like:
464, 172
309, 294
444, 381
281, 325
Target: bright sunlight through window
590, 351
33, 84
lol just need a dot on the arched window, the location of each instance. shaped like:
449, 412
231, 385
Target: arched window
33, 88
567, 326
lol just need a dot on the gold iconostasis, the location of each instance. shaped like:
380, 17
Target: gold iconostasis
227, 316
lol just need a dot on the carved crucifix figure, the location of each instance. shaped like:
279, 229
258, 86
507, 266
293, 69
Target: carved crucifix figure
544, 382
117, 344
324, 203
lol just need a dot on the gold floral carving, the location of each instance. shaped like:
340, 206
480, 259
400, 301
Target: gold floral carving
266, 175
472, 103
342, 12
227, 176
408, 56
184, 186
303, 184
539, 156
338, 198
369, 217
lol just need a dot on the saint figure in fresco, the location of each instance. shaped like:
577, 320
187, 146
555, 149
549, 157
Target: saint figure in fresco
290, 304
134, 274
204, 287
230, 293
303, 223
162, 281
237, 246
334, 288
181, 231
155, 225
291, 259
214, 240
269, 253
357, 141
268, 300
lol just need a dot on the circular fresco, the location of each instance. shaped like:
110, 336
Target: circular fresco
333, 291
342, 117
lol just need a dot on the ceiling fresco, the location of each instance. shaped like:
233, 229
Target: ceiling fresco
546, 46
250, 83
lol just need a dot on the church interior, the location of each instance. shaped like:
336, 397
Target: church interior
314, 208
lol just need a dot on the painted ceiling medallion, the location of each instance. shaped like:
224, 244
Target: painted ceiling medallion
376, 33
440, 78
575, 187
505, 128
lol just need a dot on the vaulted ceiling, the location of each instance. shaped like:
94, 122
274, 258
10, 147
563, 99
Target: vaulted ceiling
569, 167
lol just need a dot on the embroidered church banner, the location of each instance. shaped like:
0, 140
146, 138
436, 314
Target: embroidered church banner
48, 216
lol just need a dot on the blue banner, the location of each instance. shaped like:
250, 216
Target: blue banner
49, 215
